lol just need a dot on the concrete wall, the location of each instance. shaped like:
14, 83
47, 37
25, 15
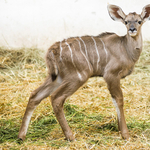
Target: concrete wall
39, 23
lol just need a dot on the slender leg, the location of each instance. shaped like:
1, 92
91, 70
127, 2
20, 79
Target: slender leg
113, 83
59, 113
58, 99
36, 97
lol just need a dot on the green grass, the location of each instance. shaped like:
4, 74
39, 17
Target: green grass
90, 112
41, 129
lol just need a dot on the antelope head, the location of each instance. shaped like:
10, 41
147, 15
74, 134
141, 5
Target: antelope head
132, 21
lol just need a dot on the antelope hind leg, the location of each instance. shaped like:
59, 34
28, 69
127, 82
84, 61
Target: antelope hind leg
35, 98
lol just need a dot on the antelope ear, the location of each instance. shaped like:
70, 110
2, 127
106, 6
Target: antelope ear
116, 13
145, 15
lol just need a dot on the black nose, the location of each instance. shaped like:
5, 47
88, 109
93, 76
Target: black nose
132, 29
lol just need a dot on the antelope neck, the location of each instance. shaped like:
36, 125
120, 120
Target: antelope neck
134, 46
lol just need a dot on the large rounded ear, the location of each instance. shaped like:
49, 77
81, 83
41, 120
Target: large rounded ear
145, 15
116, 13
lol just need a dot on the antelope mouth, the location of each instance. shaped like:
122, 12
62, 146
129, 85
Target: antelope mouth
133, 33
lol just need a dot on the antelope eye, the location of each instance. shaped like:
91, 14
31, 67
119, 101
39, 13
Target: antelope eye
126, 22
139, 22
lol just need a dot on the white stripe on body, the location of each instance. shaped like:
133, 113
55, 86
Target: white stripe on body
120, 72
55, 66
61, 49
84, 54
104, 49
84, 46
79, 61
79, 75
96, 52
117, 108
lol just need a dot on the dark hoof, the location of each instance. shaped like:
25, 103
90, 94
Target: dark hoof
125, 136
70, 139
19, 141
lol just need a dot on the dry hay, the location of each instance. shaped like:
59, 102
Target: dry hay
90, 111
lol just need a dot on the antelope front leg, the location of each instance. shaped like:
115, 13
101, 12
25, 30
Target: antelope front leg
113, 83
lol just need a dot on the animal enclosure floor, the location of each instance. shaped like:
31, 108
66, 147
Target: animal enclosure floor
90, 111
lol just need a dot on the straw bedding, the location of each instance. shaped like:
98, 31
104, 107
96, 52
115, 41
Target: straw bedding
89, 111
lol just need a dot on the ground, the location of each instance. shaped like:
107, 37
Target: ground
89, 112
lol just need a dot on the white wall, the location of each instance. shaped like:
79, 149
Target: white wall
39, 23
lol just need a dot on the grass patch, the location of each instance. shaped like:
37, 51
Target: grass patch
89, 111
8, 130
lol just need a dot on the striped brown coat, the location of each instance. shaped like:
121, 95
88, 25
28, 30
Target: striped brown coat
72, 61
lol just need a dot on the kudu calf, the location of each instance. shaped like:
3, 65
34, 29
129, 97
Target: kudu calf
72, 61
